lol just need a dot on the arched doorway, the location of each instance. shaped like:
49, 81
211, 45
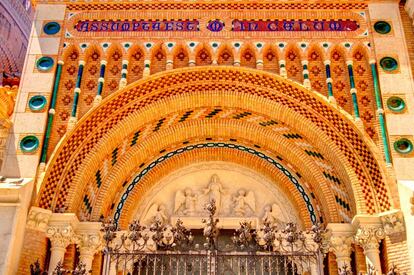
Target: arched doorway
119, 152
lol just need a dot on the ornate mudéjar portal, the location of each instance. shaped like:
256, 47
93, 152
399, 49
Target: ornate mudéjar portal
149, 110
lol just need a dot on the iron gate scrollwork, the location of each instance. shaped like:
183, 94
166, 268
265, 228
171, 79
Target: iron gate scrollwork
166, 249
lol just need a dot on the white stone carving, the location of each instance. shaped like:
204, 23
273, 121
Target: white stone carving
185, 202
392, 222
273, 215
157, 212
38, 218
244, 201
215, 191
60, 236
186, 191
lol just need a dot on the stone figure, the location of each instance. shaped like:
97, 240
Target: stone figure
185, 202
215, 191
273, 215
157, 213
243, 201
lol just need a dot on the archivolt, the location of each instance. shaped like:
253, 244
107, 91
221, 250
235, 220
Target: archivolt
285, 100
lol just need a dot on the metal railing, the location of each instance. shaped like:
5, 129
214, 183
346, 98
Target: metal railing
165, 249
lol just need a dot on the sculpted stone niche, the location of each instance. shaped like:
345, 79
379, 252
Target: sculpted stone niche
241, 194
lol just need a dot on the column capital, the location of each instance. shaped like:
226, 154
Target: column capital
38, 218
369, 237
341, 239
88, 237
341, 246
369, 231
60, 229
60, 236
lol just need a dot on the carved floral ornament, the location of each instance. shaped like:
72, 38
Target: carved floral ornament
38, 218
60, 236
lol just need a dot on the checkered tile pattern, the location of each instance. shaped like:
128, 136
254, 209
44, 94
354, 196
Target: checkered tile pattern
218, 6
62, 171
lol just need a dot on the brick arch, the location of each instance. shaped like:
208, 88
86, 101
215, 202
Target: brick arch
152, 146
291, 102
286, 179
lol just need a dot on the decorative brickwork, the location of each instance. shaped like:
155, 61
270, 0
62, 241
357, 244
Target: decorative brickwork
287, 92
35, 247
218, 6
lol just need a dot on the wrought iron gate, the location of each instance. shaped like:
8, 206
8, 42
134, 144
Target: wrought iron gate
171, 250
210, 262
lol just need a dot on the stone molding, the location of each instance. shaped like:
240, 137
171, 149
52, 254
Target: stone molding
38, 218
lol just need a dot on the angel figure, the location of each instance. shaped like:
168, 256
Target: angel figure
185, 202
242, 202
215, 191
156, 212
273, 215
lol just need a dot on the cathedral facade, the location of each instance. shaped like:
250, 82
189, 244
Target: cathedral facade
211, 137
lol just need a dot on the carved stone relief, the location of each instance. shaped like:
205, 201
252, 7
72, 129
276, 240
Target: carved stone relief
237, 190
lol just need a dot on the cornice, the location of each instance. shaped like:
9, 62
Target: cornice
111, 2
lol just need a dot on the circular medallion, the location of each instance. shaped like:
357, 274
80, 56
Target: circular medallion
51, 28
388, 63
215, 25
403, 146
395, 104
37, 103
29, 144
45, 63
382, 27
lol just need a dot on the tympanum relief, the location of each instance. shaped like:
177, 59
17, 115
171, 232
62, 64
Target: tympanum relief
233, 201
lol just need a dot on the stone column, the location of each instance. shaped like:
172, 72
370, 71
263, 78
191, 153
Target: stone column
368, 235
60, 237
88, 241
341, 243
341, 246
60, 231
